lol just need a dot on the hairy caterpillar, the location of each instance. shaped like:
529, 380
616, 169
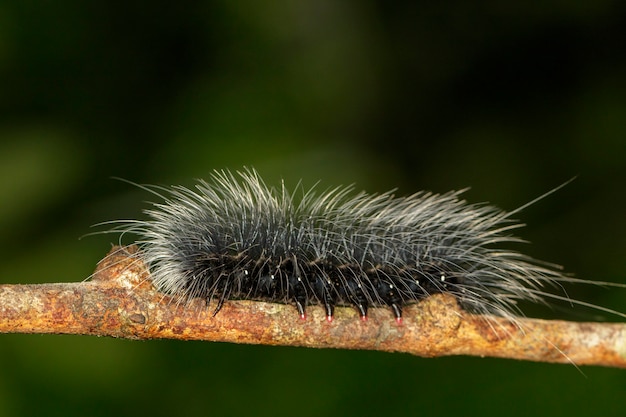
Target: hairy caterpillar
237, 238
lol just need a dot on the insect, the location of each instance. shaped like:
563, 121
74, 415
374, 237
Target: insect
234, 237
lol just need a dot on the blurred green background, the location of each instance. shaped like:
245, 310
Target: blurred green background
510, 99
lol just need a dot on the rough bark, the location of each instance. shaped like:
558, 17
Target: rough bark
119, 301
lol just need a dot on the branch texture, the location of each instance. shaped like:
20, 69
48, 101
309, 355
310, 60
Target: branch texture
120, 302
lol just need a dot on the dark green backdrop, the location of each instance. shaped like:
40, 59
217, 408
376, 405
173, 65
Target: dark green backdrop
510, 99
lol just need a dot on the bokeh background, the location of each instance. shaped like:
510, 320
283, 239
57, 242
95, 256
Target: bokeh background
510, 98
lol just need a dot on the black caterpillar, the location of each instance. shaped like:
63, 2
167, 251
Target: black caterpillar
237, 238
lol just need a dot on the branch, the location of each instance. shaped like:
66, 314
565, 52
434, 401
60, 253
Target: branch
121, 302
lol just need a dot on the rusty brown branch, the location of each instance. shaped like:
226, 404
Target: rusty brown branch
120, 302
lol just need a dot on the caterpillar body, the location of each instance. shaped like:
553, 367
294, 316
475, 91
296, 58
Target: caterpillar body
234, 237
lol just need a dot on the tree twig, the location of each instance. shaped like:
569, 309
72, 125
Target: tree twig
120, 302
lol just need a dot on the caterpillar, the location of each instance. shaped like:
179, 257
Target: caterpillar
234, 237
